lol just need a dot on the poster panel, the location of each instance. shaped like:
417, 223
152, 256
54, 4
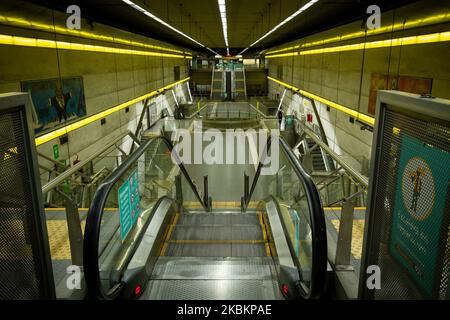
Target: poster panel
56, 101
419, 211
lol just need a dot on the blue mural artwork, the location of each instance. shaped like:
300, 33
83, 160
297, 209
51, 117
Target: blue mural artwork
56, 101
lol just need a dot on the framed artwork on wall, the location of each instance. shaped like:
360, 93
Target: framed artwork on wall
56, 101
408, 84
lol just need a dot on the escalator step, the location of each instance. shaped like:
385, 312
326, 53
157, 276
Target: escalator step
199, 219
215, 250
227, 232
170, 268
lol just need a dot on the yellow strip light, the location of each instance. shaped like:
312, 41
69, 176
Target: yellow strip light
422, 39
20, 22
51, 44
76, 125
425, 21
353, 113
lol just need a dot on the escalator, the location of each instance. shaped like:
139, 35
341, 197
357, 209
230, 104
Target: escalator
181, 245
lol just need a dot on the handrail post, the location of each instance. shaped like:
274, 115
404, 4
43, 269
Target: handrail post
245, 198
279, 180
344, 241
74, 230
179, 190
206, 198
246, 186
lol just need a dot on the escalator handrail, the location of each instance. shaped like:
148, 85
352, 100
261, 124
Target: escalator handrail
317, 219
94, 217
318, 226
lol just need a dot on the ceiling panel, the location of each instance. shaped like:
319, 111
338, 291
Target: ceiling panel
248, 20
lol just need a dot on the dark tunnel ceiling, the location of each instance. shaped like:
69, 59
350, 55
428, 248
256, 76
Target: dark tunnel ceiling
248, 20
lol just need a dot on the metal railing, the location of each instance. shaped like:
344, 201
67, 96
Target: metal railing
344, 186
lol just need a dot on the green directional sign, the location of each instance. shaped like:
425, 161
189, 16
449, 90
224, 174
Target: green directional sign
55, 152
418, 221
129, 201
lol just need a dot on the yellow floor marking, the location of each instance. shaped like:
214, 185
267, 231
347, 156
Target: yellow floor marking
340, 208
268, 253
264, 232
163, 249
192, 205
58, 236
357, 236
80, 209
263, 229
168, 234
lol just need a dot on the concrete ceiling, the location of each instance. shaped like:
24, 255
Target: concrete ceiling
248, 20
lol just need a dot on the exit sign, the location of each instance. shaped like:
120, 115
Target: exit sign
55, 151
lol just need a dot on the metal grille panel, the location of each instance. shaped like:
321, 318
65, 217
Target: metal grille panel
19, 257
397, 279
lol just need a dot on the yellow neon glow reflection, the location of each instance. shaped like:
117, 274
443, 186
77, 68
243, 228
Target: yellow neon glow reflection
76, 125
355, 114
44, 43
421, 22
21, 22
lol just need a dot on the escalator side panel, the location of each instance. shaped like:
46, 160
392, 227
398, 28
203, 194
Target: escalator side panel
141, 264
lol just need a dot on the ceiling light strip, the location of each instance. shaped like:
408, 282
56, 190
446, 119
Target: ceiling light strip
282, 23
152, 16
23, 23
51, 44
353, 113
223, 17
83, 122
413, 40
421, 22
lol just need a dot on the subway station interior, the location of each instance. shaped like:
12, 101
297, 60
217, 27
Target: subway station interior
224, 150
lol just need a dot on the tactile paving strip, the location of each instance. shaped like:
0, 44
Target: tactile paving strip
357, 236
58, 237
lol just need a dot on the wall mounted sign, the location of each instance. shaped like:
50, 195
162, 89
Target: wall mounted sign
129, 200
55, 151
418, 216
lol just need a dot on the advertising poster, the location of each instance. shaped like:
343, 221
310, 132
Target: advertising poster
419, 211
129, 200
